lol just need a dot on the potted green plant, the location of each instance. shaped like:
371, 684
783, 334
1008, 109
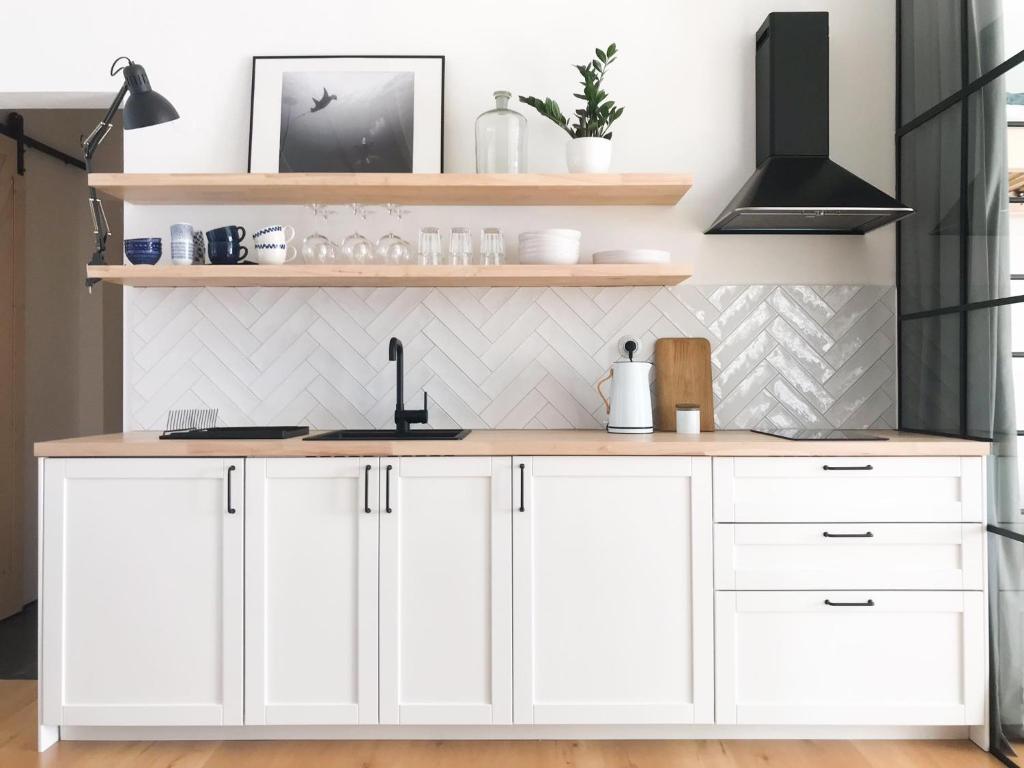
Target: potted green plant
590, 147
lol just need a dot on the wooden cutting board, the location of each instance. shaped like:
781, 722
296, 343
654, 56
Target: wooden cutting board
682, 374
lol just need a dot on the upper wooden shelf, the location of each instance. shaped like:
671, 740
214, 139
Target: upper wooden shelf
382, 276
399, 188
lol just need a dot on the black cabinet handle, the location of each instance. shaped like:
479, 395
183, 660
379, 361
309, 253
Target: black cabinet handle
231, 509
828, 468
865, 604
522, 487
865, 535
387, 490
366, 491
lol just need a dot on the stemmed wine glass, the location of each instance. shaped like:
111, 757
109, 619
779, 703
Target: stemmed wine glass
357, 248
317, 248
392, 248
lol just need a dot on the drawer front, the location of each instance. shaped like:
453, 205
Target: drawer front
849, 556
877, 658
848, 489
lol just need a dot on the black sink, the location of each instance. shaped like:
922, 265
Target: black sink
392, 434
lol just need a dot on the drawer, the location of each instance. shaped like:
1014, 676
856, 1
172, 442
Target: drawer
845, 556
885, 658
849, 489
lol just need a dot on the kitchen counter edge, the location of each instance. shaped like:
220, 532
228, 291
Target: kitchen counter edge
516, 443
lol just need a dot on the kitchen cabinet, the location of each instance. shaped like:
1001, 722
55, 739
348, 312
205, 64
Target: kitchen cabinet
850, 591
612, 588
861, 658
142, 586
446, 590
311, 591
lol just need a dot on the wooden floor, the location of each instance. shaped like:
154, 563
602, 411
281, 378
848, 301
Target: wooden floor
18, 750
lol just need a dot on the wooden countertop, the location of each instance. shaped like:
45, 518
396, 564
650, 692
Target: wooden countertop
552, 442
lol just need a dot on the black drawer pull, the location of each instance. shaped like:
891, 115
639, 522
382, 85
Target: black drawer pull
864, 468
231, 508
387, 490
865, 604
865, 535
366, 491
522, 487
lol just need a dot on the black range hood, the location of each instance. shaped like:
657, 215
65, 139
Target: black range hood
796, 188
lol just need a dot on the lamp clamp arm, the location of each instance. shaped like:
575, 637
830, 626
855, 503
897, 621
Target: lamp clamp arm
100, 226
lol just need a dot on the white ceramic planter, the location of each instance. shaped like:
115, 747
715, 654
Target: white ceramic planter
588, 155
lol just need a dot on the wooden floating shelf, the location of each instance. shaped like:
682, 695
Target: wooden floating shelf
399, 188
383, 276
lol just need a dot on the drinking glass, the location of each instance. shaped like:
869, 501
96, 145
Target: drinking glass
460, 247
429, 252
357, 248
317, 248
492, 246
392, 248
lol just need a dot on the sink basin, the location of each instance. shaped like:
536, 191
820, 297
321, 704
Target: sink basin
392, 434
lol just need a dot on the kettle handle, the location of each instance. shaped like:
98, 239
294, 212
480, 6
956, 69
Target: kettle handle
607, 405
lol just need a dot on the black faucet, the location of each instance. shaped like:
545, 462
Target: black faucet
403, 418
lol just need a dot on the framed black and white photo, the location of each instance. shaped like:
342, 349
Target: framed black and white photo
347, 114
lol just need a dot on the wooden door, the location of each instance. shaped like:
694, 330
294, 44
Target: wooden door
311, 591
446, 591
142, 609
12, 400
612, 588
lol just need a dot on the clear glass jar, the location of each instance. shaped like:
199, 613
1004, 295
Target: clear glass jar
501, 138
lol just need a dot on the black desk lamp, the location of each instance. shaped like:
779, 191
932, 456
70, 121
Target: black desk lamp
145, 107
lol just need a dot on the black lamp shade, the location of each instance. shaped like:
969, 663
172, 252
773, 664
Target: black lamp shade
145, 109
145, 106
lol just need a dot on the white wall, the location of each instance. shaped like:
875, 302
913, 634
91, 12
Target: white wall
685, 76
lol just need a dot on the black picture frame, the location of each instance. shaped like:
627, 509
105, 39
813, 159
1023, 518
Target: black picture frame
252, 89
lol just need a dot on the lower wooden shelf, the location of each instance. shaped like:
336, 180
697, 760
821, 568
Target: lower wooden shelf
382, 276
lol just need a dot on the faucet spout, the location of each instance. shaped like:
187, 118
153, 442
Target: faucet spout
403, 417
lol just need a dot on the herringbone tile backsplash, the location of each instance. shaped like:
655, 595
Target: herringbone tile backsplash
510, 358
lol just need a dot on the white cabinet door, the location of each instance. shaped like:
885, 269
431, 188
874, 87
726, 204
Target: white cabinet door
446, 591
850, 658
613, 600
142, 591
311, 591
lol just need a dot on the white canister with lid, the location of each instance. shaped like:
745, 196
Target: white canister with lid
687, 419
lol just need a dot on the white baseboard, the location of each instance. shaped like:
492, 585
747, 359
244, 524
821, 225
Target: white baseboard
487, 732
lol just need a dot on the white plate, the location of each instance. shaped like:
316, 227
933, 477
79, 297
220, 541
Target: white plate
573, 234
632, 256
548, 258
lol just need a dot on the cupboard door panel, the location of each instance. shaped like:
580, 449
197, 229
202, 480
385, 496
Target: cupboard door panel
446, 595
312, 591
142, 591
909, 658
612, 590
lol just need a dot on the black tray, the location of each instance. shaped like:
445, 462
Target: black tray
238, 433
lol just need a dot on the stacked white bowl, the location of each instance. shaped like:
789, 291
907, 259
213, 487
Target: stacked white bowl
550, 246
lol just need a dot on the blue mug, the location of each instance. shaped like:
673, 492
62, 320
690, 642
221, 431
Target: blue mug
226, 252
226, 234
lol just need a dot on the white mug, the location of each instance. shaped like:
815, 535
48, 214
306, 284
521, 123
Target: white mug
274, 253
271, 244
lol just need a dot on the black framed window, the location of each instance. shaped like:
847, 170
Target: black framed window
960, 76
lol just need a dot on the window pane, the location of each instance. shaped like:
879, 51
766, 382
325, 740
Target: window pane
995, 232
930, 373
930, 238
929, 54
995, 379
995, 32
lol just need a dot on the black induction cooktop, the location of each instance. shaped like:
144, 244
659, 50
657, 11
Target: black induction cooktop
820, 434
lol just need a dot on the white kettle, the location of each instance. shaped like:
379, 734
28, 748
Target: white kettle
629, 412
